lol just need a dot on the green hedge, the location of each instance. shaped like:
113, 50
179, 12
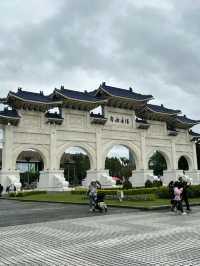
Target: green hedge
162, 193
143, 197
26, 193
135, 191
159, 192
194, 191
79, 192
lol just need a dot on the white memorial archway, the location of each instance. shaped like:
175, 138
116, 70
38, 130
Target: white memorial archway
127, 118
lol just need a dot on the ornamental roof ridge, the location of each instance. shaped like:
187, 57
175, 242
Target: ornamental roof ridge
9, 113
161, 109
185, 120
31, 96
78, 95
122, 93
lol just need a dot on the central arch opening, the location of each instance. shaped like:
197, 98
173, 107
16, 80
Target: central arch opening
29, 163
157, 163
120, 161
75, 162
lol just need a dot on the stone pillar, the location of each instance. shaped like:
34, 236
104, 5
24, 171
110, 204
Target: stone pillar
8, 175
52, 179
7, 148
139, 176
100, 174
52, 152
173, 173
195, 156
143, 151
99, 156
174, 160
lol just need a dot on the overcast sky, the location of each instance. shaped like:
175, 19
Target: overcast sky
151, 45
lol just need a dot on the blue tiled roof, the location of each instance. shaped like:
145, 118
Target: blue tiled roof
161, 109
185, 120
78, 95
9, 113
32, 96
119, 92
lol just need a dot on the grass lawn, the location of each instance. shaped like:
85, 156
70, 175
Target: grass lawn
71, 198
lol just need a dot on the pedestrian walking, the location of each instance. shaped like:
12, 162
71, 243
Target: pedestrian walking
92, 193
177, 197
184, 196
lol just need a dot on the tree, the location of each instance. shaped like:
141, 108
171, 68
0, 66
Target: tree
157, 163
120, 167
75, 167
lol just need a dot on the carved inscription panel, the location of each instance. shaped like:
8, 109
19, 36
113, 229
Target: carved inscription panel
120, 120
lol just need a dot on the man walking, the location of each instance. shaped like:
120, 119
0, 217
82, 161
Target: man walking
184, 196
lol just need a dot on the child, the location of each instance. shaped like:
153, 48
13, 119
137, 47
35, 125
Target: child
177, 196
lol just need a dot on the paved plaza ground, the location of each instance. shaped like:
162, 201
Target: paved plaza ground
59, 234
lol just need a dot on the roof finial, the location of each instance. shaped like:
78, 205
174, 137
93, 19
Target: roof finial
162, 105
85, 91
130, 89
62, 87
19, 89
41, 93
103, 83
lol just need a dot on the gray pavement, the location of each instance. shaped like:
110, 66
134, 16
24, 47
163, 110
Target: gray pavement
13, 212
124, 237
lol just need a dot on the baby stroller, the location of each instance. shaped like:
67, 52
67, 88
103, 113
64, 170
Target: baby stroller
99, 203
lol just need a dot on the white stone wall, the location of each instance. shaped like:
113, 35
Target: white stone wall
51, 141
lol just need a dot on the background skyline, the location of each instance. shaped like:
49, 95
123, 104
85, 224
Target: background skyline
151, 46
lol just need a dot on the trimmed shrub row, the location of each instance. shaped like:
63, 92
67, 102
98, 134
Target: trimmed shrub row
26, 193
159, 192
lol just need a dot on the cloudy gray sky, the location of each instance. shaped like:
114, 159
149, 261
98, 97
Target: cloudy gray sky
150, 45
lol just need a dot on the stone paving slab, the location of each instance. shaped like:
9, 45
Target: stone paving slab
132, 238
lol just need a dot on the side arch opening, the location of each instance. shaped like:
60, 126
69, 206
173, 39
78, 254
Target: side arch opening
29, 163
157, 163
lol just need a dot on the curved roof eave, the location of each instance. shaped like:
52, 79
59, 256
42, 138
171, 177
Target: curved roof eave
116, 96
163, 113
75, 99
11, 117
32, 101
188, 123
